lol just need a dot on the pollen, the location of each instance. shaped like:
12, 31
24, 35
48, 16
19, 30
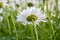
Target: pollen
31, 17
30, 4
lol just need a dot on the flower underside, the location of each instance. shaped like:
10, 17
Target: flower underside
1, 4
31, 18
30, 4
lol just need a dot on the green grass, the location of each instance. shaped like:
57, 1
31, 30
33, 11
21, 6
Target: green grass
12, 30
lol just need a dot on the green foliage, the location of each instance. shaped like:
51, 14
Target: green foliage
12, 30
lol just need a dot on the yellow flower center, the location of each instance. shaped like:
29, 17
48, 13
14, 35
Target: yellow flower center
1, 4
17, 5
30, 4
31, 17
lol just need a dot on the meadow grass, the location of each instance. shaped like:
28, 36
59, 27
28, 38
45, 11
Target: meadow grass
12, 30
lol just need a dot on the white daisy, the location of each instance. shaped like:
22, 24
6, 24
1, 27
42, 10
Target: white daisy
30, 3
1, 18
17, 3
31, 14
11, 6
3, 3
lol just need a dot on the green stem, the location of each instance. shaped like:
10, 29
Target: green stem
56, 8
43, 5
49, 17
44, 32
31, 30
9, 29
51, 23
35, 29
8, 24
14, 26
36, 32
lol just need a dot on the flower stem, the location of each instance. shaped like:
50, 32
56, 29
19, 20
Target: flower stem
14, 26
10, 33
35, 29
31, 30
36, 32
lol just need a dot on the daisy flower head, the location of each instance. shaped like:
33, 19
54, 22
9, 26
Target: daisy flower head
11, 6
17, 3
30, 3
30, 15
3, 3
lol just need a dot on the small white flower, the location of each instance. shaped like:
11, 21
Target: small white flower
11, 6
31, 14
3, 3
1, 10
1, 18
30, 3
17, 3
